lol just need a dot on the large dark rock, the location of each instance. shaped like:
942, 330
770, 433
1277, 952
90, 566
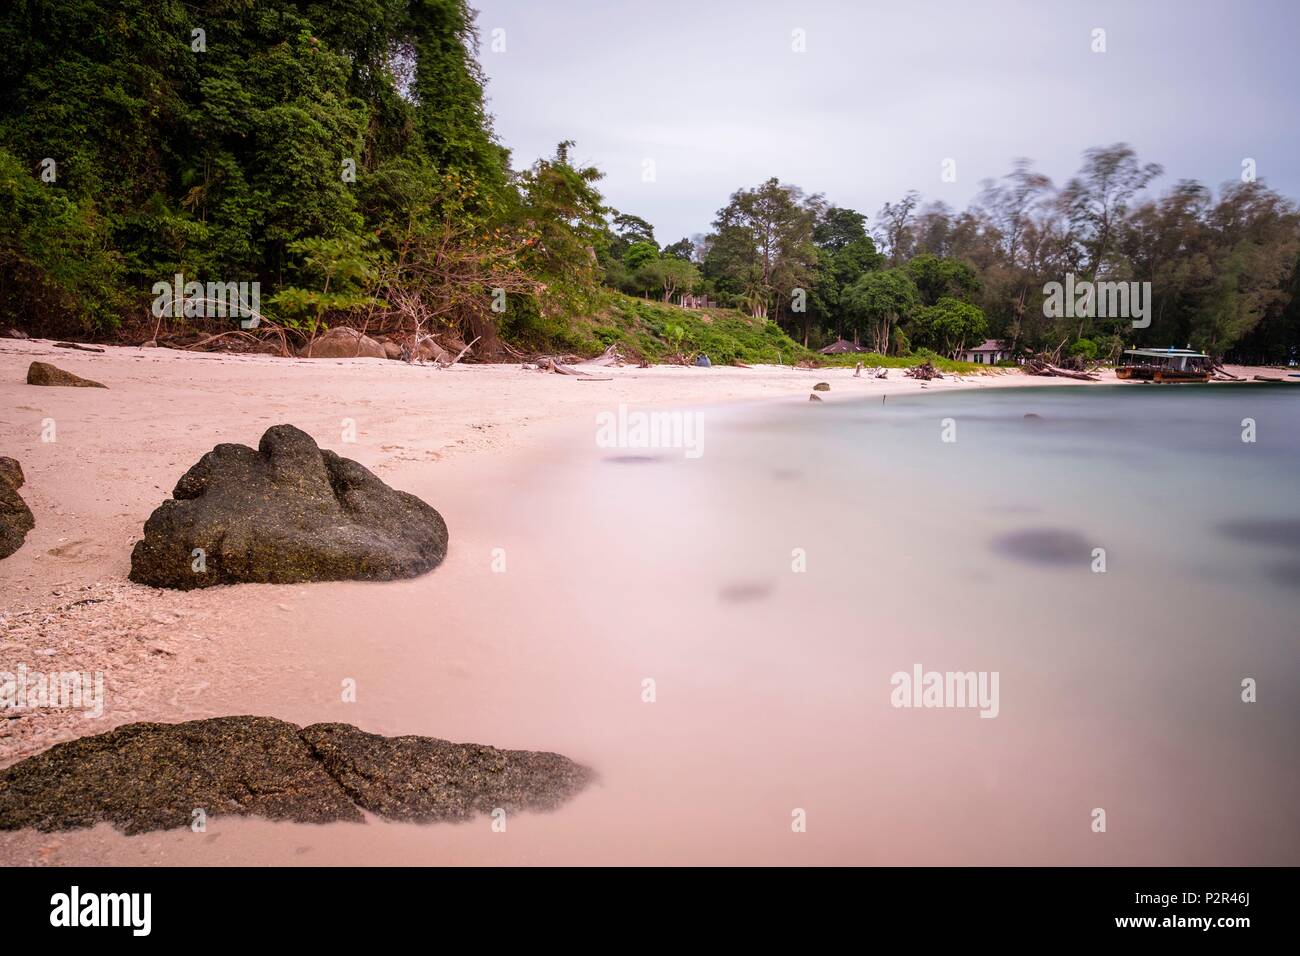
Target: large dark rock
285, 513
43, 373
15, 517
149, 776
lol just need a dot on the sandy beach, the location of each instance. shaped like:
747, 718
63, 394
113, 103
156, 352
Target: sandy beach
522, 659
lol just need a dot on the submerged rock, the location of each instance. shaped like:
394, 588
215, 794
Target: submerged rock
822, 387
1282, 531
741, 591
43, 373
285, 513
342, 342
15, 517
151, 776
1046, 546
814, 397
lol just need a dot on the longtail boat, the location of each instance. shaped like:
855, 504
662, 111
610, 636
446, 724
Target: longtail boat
1165, 365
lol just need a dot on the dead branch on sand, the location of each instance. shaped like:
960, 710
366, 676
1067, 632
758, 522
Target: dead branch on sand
610, 357
1040, 367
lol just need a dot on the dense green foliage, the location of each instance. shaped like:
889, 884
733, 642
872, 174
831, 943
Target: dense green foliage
336, 152
339, 154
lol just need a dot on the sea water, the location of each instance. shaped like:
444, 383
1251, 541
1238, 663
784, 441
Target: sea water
1123, 562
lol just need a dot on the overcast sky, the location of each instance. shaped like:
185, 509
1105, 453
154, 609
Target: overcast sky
712, 92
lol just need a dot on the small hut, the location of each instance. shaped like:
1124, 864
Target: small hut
841, 347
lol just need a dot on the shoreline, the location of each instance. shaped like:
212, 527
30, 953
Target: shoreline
118, 453
449, 654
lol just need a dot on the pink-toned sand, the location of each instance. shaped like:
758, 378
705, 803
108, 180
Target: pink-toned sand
549, 655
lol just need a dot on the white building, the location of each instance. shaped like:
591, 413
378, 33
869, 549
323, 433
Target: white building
990, 353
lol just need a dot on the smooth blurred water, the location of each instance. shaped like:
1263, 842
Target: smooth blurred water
816, 549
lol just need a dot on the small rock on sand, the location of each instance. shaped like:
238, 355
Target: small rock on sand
43, 373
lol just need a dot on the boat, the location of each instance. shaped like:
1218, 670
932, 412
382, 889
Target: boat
1165, 365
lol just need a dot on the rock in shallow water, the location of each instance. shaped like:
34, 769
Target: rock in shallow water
43, 373
15, 517
1047, 546
286, 513
426, 779
149, 776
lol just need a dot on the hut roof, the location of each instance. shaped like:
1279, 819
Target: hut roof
990, 345
841, 346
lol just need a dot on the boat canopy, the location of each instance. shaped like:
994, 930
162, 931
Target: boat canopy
1166, 353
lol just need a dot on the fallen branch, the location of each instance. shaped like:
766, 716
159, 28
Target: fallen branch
284, 345
1223, 375
1039, 367
611, 356
551, 365
460, 354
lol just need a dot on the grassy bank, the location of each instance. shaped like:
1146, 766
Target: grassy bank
658, 332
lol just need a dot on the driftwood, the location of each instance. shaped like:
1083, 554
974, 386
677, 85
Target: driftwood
1223, 375
552, 365
1039, 367
925, 372
460, 355
79, 348
611, 356
284, 345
